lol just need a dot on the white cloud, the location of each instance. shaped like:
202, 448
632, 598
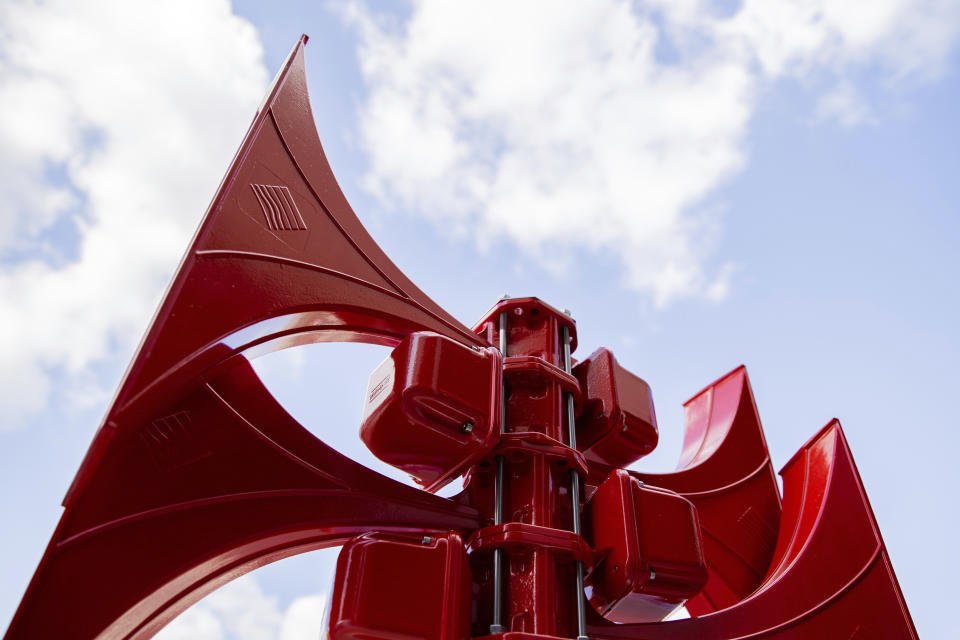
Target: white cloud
904, 36
241, 610
602, 127
246, 612
845, 105
304, 618
117, 120
196, 623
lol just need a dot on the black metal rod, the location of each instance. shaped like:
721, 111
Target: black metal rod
497, 625
574, 487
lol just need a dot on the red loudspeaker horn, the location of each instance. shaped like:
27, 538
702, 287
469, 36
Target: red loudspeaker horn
725, 469
197, 475
830, 577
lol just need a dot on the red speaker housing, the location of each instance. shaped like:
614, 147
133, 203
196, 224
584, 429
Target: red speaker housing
618, 424
651, 567
401, 587
433, 407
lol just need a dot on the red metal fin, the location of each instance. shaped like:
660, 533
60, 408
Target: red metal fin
279, 259
219, 483
832, 577
725, 471
280, 241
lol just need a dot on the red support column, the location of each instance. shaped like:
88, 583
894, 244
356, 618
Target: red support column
539, 548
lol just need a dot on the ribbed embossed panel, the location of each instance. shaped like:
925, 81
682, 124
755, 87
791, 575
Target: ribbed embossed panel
279, 209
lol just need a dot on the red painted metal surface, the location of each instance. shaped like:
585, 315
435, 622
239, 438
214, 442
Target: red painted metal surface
538, 587
831, 576
618, 424
725, 471
433, 407
198, 475
369, 600
654, 554
520, 536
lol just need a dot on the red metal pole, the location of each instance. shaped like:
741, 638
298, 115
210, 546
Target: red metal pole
539, 581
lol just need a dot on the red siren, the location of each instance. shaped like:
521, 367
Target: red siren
198, 475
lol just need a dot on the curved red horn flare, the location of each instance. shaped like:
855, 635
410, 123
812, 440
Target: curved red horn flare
725, 471
831, 576
197, 475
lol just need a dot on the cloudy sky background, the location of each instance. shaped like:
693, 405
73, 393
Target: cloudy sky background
702, 184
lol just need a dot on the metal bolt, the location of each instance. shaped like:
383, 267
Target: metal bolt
653, 574
505, 296
467, 426
426, 540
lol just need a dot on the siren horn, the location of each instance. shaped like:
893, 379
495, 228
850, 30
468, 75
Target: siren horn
197, 475
830, 577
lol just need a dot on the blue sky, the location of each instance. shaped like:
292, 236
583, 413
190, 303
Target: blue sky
767, 183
